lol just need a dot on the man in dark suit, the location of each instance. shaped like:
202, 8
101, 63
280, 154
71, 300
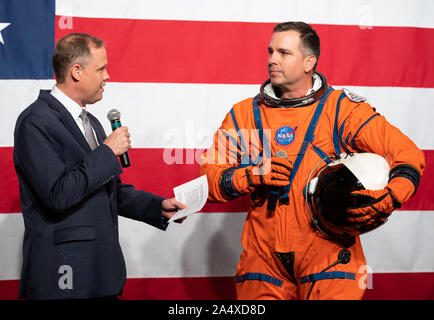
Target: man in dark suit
70, 189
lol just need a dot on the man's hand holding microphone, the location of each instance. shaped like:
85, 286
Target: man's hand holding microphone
119, 142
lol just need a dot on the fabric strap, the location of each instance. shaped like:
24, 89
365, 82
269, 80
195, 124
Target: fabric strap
328, 275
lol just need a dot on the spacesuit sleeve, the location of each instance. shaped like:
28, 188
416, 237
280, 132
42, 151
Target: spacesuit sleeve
366, 130
224, 153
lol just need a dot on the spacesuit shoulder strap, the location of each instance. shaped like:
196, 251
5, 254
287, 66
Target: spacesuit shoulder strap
308, 139
336, 137
266, 145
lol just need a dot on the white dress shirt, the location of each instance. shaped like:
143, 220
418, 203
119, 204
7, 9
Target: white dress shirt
73, 108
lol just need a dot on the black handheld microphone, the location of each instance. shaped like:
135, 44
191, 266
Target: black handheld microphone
115, 119
274, 192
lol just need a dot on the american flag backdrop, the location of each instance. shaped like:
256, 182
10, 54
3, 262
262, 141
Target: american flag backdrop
176, 69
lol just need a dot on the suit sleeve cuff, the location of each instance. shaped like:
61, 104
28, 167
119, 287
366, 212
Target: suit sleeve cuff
107, 160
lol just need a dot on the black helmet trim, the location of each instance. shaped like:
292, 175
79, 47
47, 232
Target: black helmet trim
292, 103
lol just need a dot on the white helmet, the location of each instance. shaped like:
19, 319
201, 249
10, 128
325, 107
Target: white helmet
328, 195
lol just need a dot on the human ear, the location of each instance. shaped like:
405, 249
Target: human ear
76, 72
309, 63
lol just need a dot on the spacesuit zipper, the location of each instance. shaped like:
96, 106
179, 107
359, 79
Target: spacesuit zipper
286, 260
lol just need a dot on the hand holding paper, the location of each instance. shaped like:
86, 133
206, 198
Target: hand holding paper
194, 194
170, 207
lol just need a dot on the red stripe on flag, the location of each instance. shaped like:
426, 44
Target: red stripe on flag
9, 188
401, 286
196, 288
390, 286
236, 52
150, 172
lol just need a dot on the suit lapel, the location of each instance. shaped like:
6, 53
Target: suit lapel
97, 127
66, 119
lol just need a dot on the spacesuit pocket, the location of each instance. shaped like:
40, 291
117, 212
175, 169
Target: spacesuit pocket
76, 233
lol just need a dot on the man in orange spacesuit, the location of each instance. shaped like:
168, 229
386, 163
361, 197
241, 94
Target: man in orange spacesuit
269, 145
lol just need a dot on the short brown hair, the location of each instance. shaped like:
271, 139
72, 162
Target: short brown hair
309, 38
70, 48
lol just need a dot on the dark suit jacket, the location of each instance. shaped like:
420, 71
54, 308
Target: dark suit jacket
70, 198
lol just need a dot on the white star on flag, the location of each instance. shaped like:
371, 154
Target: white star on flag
2, 26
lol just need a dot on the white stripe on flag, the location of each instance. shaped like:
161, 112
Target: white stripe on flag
209, 245
163, 115
403, 244
362, 13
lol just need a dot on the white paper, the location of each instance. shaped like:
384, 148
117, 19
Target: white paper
193, 194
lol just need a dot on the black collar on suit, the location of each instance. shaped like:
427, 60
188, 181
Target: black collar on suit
67, 119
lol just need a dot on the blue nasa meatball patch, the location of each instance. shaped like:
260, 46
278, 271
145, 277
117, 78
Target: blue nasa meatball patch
285, 135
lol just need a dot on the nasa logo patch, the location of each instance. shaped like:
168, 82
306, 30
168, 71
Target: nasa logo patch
285, 135
353, 97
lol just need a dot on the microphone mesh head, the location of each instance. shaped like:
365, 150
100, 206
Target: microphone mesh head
113, 114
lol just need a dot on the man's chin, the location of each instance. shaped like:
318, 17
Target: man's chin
95, 100
276, 82
275, 78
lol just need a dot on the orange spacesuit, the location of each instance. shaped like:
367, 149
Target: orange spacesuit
284, 255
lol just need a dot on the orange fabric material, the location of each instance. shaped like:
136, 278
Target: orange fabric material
288, 228
275, 173
402, 189
381, 203
321, 254
375, 212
